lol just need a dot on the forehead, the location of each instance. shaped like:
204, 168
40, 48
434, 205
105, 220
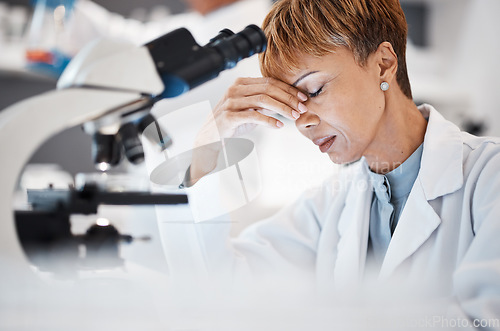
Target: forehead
331, 62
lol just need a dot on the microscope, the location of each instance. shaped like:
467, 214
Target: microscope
109, 88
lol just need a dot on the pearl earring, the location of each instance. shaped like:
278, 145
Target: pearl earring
384, 86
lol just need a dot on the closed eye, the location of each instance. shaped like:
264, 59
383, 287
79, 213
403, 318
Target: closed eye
315, 94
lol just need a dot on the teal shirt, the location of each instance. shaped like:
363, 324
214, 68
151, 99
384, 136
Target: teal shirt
390, 194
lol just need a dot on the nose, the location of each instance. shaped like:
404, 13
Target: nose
307, 121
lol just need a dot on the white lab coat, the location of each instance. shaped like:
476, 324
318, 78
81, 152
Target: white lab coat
446, 242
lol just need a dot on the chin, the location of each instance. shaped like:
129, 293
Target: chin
343, 159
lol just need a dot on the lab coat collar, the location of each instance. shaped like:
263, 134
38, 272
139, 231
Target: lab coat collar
441, 170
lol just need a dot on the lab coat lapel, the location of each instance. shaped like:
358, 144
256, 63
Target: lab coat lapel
417, 222
353, 229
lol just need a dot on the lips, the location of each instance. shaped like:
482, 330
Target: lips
324, 143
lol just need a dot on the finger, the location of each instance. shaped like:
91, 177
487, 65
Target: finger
265, 112
252, 117
261, 101
276, 89
272, 82
284, 96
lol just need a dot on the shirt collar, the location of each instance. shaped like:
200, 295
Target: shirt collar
381, 186
398, 183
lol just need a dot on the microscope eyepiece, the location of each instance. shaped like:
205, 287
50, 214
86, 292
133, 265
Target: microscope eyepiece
222, 34
183, 64
237, 47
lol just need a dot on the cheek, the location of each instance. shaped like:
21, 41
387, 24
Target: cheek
364, 90
355, 113
366, 103
350, 109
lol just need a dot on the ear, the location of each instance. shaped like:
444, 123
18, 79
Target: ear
387, 61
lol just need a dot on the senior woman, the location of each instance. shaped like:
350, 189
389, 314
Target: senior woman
417, 200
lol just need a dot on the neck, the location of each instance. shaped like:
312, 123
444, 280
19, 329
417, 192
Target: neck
401, 131
205, 7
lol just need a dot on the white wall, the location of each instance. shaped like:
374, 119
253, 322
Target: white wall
458, 72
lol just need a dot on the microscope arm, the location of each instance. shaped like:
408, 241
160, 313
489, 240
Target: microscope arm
109, 64
25, 126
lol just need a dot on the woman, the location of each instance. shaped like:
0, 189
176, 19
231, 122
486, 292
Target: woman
417, 201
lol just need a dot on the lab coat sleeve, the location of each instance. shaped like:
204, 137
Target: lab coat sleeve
282, 245
285, 244
477, 279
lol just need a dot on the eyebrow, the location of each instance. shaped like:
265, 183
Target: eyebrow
303, 76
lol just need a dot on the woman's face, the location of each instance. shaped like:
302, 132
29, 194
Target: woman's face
345, 104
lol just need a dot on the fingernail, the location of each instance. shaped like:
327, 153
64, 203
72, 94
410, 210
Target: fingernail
302, 108
302, 96
295, 114
279, 124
